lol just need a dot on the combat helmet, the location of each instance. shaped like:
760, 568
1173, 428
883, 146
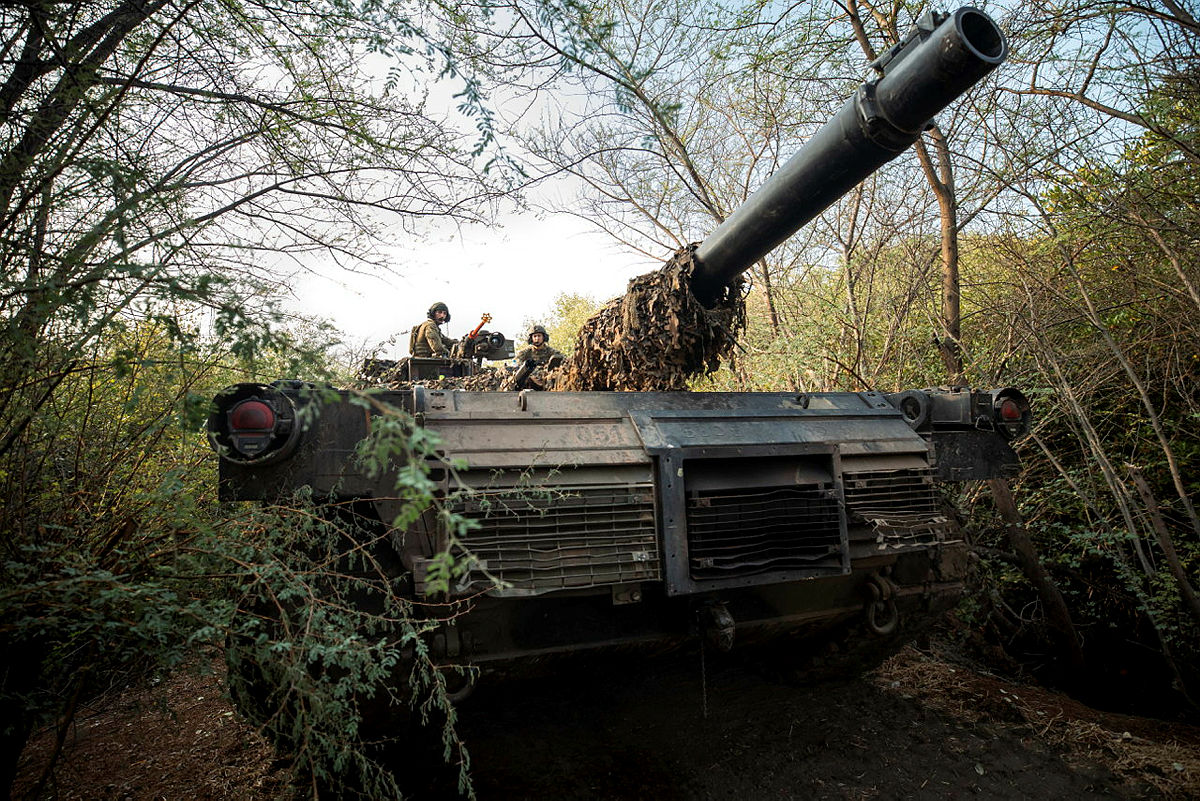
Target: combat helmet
538, 329
437, 307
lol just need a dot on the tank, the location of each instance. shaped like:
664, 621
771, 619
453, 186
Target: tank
779, 523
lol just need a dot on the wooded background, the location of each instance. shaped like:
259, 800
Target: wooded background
164, 162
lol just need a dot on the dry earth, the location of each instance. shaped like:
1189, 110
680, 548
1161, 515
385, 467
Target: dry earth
920, 727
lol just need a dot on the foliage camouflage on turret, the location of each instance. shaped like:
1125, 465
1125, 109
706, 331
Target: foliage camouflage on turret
657, 336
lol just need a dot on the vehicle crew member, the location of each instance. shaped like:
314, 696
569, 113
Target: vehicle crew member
539, 351
427, 338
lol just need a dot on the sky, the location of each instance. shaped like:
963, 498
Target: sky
512, 272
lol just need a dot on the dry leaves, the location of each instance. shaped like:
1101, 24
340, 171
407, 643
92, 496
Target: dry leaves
1143, 751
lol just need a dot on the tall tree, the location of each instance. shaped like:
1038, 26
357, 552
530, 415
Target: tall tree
1095, 144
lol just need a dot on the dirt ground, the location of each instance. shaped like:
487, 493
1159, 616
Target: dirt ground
922, 726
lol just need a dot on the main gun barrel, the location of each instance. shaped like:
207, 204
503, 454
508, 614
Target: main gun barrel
939, 60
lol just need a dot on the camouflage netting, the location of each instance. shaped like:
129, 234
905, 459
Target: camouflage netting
488, 379
657, 336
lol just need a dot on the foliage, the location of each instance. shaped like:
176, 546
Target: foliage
1099, 311
885, 343
127, 570
568, 312
109, 541
164, 167
328, 650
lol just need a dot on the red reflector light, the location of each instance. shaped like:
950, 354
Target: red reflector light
252, 415
1010, 410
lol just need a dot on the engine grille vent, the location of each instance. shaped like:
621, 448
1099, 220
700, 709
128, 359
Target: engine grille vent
891, 491
900, 505
748, 532
536, 540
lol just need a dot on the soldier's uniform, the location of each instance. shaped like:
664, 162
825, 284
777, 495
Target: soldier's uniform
427, 339
538, 354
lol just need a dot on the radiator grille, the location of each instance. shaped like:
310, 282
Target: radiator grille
538, 540
748, 532
900, 505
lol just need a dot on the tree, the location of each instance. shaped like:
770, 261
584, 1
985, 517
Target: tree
164, 165
1097, 144
659, 172
567, 315
677, 113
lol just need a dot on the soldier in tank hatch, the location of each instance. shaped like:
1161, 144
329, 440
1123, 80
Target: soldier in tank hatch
538, 350
427, 338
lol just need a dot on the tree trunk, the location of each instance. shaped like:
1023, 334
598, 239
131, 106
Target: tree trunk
941, 181
1186, 590
1057, 613
769, 294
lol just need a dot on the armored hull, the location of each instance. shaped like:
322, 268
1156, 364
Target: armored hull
606, 520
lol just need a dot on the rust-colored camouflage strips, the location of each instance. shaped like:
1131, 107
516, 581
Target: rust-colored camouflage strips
656, 337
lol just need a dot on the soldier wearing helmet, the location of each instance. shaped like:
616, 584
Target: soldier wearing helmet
539, 351
427, 338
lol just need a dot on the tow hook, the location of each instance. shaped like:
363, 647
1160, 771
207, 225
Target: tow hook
882, 615
459, 679
717, 625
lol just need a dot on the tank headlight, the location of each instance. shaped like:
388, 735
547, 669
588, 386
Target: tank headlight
1011, 413
253, 424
